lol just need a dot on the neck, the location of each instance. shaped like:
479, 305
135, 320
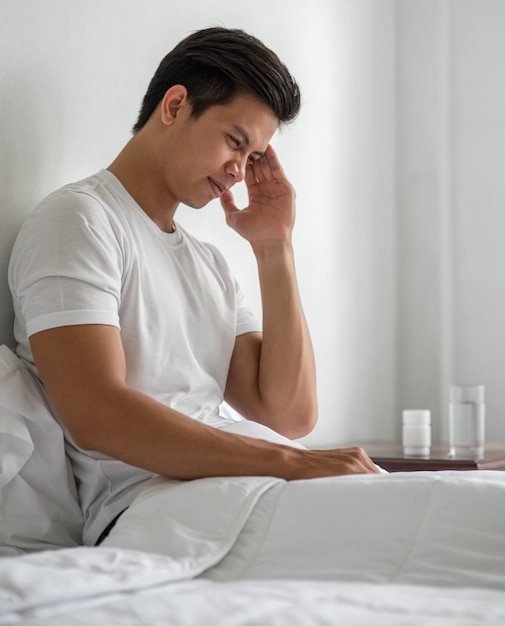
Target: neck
135, 169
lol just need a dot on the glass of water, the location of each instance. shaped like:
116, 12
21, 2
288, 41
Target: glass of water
467, 415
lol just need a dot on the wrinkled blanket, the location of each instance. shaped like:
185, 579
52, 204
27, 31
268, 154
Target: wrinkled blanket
429, 546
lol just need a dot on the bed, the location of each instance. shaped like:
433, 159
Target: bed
423, 548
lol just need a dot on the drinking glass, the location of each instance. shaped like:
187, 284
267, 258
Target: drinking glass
467, 414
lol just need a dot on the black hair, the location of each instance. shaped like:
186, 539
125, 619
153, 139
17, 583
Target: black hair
217, 64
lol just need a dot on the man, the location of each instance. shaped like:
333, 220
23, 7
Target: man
136, 329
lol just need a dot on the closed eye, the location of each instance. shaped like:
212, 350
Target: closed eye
233, 140
237, 144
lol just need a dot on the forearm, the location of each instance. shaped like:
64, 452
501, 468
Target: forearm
287, 373
83, 369
279, 390
142, 432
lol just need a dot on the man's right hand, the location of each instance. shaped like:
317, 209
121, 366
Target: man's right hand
83, 371
341, 461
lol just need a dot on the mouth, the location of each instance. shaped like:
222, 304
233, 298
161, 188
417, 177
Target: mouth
216, 187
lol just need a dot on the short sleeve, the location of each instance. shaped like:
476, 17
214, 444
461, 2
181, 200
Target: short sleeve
66, 265
247, 322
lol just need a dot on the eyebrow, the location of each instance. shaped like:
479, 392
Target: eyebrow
247, 140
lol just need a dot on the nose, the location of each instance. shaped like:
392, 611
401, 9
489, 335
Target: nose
236, 169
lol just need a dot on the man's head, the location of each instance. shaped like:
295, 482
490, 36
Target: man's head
217, 64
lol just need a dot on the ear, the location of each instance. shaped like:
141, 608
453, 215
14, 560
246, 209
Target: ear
173, 101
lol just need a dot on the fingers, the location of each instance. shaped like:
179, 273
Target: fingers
361, 462
271, 165
228, 204
251, 176
350, 461
268, 167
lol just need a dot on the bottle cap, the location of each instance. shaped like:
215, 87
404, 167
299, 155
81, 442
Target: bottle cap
416, 417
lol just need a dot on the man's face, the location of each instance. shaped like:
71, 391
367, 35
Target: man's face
209, 154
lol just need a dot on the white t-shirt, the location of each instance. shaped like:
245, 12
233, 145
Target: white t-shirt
90, 255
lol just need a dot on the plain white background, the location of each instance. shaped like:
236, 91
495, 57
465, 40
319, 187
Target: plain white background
397, 159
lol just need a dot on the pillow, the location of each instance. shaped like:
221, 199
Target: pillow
39, 506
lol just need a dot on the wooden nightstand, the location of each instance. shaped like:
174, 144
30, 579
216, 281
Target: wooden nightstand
389, 456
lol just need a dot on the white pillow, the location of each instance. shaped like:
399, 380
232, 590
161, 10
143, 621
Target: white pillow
39, 506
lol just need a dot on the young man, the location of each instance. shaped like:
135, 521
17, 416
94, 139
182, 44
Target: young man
136, 329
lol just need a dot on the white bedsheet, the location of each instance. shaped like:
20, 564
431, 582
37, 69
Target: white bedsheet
416, 549
271, 603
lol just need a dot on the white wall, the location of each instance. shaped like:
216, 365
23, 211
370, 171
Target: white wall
73, 74
424, 206
479, 200
451, 194
397, 159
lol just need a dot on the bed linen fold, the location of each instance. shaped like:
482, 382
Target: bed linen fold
194, 523
39, 506
424, 548
443, 528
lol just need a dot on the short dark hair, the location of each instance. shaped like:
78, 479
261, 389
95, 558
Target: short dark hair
217, 64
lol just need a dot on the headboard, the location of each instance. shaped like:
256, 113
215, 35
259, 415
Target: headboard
7, 236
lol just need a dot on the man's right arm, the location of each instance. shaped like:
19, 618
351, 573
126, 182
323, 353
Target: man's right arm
84, 372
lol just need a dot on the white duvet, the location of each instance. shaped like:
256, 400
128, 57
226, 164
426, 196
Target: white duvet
411, 549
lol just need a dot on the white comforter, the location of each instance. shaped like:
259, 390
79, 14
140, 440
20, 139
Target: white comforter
416, 549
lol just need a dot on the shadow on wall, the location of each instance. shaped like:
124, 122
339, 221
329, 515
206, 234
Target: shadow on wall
21, 167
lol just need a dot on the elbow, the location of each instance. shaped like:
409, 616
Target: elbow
297, 420
83, 428
82, 434
93, 422
306, 421
83, 438
310, 422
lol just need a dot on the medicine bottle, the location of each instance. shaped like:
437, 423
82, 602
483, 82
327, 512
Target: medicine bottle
416, 432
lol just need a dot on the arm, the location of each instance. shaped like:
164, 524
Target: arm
83, 370
272, 375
